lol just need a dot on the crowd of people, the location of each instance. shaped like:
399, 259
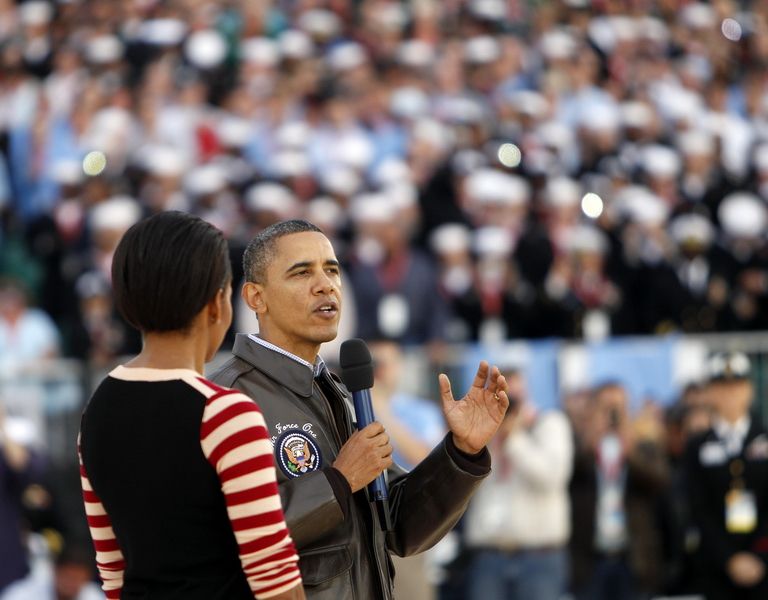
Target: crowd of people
485, 169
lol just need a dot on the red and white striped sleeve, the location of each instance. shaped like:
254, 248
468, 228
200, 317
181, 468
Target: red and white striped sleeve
109, 558
234, 439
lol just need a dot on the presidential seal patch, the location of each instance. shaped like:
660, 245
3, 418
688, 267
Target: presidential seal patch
296, 453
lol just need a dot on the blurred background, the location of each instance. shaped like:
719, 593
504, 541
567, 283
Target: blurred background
576, 190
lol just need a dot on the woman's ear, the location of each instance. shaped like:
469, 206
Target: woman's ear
253, 294
216, 307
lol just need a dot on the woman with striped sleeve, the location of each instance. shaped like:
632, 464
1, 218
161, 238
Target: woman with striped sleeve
177, 473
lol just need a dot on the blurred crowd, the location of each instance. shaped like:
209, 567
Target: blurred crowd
486, 170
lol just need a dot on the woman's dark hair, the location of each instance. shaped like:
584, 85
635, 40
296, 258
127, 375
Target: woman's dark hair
166, 269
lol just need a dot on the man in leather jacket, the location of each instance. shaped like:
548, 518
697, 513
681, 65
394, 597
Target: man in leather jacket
323, 462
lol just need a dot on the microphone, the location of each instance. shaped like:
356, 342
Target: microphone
357, 375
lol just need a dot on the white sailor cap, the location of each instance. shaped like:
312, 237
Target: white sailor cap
556, 134
67, 172
696, 142
35, 13
290, 163
601, 33
601, 116
324, 212
272, 197
562, 192
162, 160
586, 239
609, 31
449, 238
434, 133
320, 23
636, 114
492, 241
340, 180
293, 135
654, 30
692, 228
390, 16
402, 194
577, 3
698, 15
295, 45
416, 54
742, 214
530, 103
162, 32
641, 206
206, 49
490, 186
346, 56
488, 10
116, 213
205, 180
482, 50
409, 103
727, 366
234, 132
660, 161
354, 151
680, 104
103, 49
260, 51
557, 44
464, 110
373, 208
392, 171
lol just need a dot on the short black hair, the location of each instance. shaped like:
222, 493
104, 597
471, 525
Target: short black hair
166, 269
261, 248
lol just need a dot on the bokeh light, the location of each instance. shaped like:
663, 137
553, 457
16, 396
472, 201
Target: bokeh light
510, 155
592, 205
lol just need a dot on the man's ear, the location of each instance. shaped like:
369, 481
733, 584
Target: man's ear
253, 294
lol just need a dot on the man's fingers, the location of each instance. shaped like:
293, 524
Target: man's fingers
372, 429
482, 375
445, 387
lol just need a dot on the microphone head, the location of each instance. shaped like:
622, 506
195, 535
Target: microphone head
356, 365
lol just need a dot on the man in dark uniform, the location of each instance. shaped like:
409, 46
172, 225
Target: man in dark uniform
727, 475
293, 285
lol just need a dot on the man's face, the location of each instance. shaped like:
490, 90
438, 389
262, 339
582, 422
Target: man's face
299, 302
731, 398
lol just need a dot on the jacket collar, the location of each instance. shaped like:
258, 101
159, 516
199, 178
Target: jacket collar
281, 368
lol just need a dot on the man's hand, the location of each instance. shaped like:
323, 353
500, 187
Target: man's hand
364, 456
474, 419
745, 569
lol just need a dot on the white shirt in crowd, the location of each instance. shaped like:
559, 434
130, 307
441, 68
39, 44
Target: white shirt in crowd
523, 504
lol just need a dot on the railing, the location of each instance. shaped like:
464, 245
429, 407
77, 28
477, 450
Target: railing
50, 395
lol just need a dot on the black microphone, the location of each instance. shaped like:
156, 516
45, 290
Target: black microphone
357, 375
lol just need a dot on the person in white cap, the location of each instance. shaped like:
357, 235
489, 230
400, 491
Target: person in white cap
394, 285
683, 291
743, 218
727, 480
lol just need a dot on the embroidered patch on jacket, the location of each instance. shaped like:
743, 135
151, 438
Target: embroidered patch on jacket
296, 453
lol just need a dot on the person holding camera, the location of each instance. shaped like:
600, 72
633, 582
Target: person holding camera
619, 472
517, 525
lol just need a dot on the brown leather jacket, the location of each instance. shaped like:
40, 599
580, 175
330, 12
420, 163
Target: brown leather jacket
344, 554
